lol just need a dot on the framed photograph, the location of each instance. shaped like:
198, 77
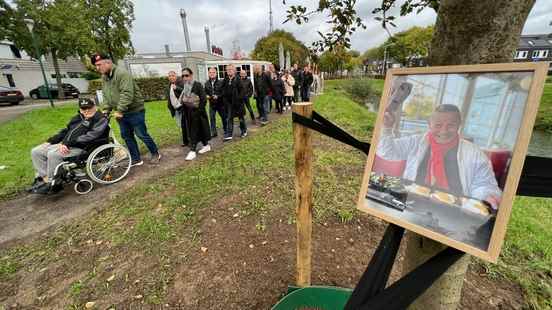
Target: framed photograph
448, 149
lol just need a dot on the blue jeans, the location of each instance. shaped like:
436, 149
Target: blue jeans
267, 102
213, 110
135, 123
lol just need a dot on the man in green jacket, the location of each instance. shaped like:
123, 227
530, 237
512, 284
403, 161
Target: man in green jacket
122, 96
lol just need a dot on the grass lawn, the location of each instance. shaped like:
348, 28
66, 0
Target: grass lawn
255, 179
19, 136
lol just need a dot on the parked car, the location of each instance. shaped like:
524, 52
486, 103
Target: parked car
40, 92
10, 95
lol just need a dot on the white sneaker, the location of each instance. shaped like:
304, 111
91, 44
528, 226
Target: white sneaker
204, 149
191, 156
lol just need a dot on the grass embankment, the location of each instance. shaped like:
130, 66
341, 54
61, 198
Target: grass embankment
157, 224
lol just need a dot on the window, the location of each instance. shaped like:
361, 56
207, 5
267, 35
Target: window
221, 71
521, 54
540, 54
63, 76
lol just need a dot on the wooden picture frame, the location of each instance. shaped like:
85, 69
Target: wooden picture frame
448, 212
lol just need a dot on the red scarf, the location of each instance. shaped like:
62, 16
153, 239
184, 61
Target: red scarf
436, 175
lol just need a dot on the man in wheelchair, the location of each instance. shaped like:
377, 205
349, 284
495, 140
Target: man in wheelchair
84, 132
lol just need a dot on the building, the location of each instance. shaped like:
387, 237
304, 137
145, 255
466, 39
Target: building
534, 48
159, 64
19, 70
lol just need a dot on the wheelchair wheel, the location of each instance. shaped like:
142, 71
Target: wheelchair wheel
108, 164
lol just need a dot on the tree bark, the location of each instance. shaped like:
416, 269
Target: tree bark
61, 93
478, 31
466, 32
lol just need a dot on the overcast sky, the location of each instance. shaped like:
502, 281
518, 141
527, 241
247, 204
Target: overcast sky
158, 23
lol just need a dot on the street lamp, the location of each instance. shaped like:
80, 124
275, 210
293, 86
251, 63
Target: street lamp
30, 25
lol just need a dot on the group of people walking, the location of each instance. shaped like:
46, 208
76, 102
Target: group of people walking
187, 102
229, 98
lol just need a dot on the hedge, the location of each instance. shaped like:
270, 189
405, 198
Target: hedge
152, 88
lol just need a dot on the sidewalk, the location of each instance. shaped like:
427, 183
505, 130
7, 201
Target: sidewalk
8, 113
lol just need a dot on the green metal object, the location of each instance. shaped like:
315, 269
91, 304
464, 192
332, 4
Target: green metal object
315, 297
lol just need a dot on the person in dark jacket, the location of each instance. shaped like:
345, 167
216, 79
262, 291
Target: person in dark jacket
262, 87
247, 92
233, 103
213, 90
297, 74
197, 124
84, 132
306, 84
174, 90
278, 92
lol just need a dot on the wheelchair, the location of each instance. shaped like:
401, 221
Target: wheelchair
105, 164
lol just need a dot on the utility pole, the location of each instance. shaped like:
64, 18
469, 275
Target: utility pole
271, 26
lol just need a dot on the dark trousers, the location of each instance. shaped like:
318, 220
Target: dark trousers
230, 124
305, 93
279, 104
185, 139
289, 100
260, 107
213, 110
249, 108
134, 123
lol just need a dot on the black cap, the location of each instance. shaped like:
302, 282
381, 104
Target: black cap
98, 57
85, 103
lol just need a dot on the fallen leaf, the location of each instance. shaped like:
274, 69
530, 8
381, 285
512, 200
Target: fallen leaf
111, 278
90, 305
203, 249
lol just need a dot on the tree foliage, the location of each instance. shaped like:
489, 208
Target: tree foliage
410, 44
266, 48
344, 21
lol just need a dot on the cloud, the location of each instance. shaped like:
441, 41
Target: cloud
245, 21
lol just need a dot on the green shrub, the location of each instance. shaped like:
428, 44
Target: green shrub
362, 91
549, 79
91, 75
152, 88
94, 85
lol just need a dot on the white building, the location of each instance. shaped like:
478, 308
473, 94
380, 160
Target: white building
19, 70
159, 64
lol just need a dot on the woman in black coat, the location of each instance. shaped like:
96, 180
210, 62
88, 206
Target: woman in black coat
174, 90
197, 123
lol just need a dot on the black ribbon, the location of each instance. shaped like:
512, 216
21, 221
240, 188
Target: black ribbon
535, 180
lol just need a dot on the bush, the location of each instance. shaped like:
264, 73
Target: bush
362, 91
91, 75
151, 88
549, 79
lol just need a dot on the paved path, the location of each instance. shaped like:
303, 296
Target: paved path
8, 113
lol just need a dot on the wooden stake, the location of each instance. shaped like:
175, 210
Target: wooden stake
302, 146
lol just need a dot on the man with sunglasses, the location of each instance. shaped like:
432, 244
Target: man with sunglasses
84, 132
122, 96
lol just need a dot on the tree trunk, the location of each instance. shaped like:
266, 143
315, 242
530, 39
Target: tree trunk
61, 93
478, 31
466, 32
